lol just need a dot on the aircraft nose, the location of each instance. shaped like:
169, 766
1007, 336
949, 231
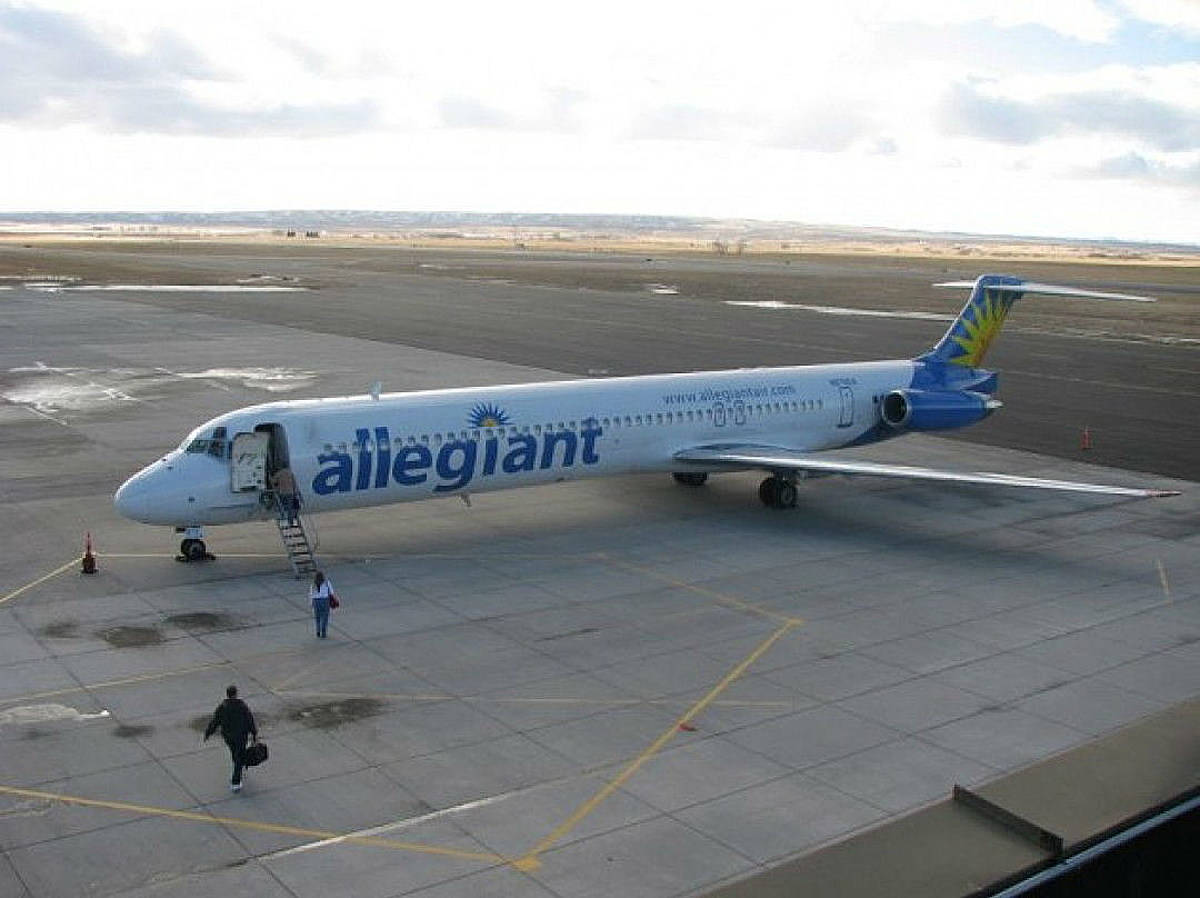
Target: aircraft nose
132, 500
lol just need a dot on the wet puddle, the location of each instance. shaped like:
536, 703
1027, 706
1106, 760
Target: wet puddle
164, 288
131, 637
60, 629
202, 620
333, 714
131, 731
48, 389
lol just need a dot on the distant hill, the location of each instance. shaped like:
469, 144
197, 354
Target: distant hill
349, 220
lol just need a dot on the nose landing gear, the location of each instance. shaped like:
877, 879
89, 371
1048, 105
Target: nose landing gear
778, 492
192, 548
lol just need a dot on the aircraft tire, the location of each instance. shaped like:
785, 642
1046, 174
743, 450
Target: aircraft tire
786, 494
193, 549
776, 492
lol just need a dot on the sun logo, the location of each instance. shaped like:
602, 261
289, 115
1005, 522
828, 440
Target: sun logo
487, 415
976, 335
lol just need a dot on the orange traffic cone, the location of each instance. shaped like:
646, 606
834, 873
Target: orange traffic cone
89, 560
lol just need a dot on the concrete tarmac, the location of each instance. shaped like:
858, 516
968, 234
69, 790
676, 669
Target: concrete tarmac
608, 687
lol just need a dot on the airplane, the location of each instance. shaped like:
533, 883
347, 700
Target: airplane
357, 451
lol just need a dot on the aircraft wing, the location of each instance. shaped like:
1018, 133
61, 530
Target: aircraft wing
777, 459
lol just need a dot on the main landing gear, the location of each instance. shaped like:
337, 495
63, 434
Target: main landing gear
778, 492
192, 548
775, 492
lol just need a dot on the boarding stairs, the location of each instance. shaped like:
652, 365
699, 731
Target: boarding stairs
300, 552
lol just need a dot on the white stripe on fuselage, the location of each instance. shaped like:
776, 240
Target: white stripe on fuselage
424, 444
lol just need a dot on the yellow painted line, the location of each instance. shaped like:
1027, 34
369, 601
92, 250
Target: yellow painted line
144, 678
308, 669
589, 556
531, 862
722, 598
58, 570
124, 681
109, 683
174, 554
398, 696
532, 700
460, 556
28, 586
237, 822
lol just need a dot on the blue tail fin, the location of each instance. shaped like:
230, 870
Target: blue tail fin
992, 295
978, 324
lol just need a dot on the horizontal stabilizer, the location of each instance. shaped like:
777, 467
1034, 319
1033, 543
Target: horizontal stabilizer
776, 459
1050, 290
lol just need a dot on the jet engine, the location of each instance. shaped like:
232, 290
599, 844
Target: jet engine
935, 409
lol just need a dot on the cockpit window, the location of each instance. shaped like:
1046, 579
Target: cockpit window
215, 444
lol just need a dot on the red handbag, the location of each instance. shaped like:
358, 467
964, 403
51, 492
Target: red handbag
333, 602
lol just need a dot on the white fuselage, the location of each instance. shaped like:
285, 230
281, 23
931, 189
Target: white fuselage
358, 451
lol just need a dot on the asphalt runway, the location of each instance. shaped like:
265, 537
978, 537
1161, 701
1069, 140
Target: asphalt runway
1128, 373
601, 687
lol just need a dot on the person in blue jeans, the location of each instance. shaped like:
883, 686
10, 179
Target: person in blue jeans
321, 594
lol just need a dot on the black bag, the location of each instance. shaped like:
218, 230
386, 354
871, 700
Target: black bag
255, 754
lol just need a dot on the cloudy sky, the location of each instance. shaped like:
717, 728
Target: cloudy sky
1049, 117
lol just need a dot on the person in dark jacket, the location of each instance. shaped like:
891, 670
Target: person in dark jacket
236, 723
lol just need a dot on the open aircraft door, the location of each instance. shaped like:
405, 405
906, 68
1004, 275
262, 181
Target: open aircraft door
249, 469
